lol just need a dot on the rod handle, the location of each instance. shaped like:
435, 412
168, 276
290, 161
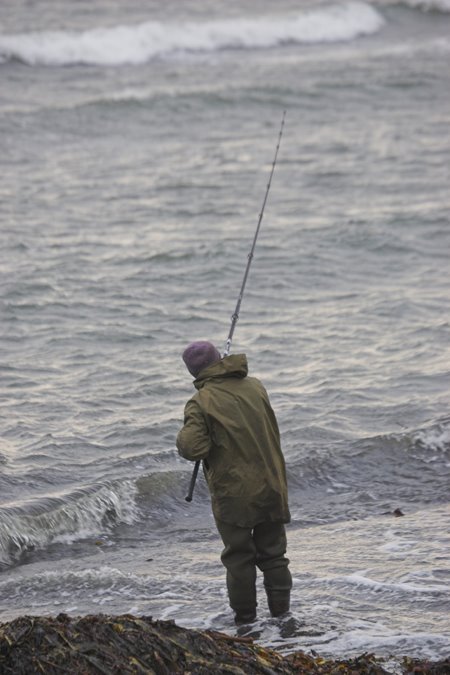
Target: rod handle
190, 493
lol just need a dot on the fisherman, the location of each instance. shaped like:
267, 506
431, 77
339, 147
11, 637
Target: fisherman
230, 425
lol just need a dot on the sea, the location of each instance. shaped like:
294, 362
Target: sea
137, 140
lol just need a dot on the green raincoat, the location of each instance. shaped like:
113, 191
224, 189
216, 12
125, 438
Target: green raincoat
230, 425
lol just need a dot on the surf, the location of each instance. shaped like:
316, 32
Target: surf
64, 519
138, 44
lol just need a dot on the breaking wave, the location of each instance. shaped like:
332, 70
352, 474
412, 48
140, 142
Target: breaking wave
141, 43
64, 520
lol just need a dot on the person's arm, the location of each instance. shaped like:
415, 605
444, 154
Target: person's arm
193, 440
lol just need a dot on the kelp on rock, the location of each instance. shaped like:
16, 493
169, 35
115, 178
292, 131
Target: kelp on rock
129, 644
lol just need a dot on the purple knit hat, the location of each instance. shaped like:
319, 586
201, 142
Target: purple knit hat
199, 355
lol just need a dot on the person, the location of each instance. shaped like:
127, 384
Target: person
230, 425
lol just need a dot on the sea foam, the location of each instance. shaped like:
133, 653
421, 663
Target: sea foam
141, 43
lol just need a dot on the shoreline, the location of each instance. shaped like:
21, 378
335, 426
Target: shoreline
126, 644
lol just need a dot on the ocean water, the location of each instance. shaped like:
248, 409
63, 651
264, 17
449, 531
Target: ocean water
136, 142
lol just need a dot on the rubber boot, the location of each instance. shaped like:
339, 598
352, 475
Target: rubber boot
278, 601
242, 618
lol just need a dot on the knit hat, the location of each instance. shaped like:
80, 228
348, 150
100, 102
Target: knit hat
199, 355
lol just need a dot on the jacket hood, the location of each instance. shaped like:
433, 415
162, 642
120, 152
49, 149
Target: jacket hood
234, 365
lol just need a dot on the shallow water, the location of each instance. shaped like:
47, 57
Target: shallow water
133, 171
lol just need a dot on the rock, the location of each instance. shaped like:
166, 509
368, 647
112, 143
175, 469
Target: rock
128, 644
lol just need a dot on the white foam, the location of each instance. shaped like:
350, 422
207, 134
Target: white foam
397, 545
375, 637
141, 43
101, 583
436, 438
360, 579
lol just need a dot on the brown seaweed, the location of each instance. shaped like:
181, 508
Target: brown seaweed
107, 645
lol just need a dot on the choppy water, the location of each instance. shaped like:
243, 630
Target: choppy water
136, 146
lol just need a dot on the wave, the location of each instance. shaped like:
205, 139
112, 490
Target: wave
425, 5
144, 42
428, 445
373, 475
86, 513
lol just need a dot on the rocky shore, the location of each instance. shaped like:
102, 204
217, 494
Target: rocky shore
129, 644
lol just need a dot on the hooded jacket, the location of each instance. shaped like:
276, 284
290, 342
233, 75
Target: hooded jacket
230, 425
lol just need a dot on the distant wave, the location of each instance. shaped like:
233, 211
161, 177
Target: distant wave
139, 44
426, 5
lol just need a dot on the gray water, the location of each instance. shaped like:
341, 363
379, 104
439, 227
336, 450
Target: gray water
135, 149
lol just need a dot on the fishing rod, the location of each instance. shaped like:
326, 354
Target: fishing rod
235, 315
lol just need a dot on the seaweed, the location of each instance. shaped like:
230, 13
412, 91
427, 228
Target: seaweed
125, 644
